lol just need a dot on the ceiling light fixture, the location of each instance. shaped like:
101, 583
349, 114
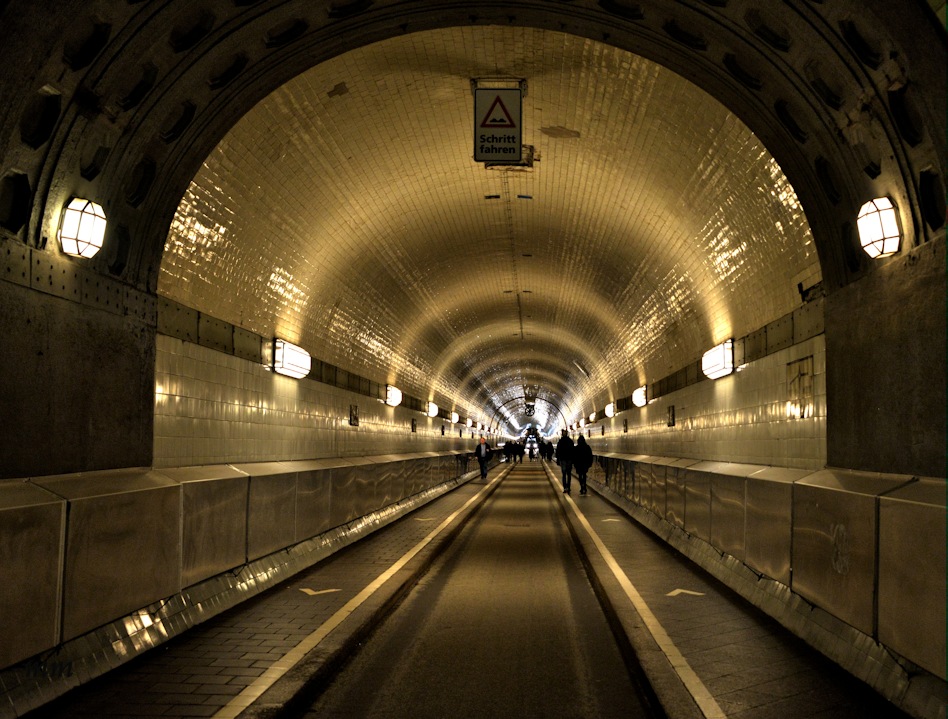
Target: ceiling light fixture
611, 409
393, 395
455, 418
718, 361
640, 397
432, 409
82, 229
878, 224
290, 360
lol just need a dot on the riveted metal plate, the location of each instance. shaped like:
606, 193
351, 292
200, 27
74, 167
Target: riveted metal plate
176, 320
780, 334
248, 345
55, 277
215, 334
755, 345
15, 257
142, 306
808, 321
101, 292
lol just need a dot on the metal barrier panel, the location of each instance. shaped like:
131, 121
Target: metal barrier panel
313, 494
834, 542
768, 527
213, 520
698, 499
123, 544
912, 573
271, 508
675, 497
352, 493
728, 506
32, 523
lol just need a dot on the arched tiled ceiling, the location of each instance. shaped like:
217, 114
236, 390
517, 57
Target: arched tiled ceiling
124, 101
345, 213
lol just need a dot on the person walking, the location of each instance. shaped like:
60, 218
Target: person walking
564, 458
483, 452
582, 460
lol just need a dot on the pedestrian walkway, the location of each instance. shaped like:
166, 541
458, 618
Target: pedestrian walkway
258, 655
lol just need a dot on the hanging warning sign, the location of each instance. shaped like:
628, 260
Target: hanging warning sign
497, 134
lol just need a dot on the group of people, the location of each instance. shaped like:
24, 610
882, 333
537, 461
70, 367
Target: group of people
569, 456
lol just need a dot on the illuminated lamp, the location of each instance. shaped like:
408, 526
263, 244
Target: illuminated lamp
455, 418
82, 228
640, 397
718, 361
393, 395
878, 224
582, 422
290, 360
432, 409
592, 416
611, 409
470, 422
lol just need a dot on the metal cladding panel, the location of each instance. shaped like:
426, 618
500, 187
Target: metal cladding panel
313, 499
391, 481
32, 525
768, 527
834, 543
271, 511
213, 521
675, 497
698, 503
727, 514
912, 577
123, 544
352, 494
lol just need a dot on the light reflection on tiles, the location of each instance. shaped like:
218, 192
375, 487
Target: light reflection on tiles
662, 229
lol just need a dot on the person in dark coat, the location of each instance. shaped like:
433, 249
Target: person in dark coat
582, 460
482, 452
564, 458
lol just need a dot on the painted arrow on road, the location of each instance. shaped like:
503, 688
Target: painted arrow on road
313, 593
676, 592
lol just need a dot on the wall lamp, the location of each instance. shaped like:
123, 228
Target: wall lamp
82, 228
611, 409
393, 395
290, 360
592, 416
455, 418
878, 224
470, 422
432, 409
640, 396
718, 361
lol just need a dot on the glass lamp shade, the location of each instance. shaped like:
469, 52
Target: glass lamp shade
82, 229
455, 418
611, 409
290, 360
640, 397
432, 409
878, 224
718, 361
393, 395
592, 416
470, 422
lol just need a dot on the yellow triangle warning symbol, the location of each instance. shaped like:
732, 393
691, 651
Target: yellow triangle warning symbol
497, 115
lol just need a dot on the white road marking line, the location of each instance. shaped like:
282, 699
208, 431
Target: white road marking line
612, 519
709, 707
313, 593
676, 592
281, 666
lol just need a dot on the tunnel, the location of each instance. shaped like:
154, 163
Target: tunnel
341, 241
